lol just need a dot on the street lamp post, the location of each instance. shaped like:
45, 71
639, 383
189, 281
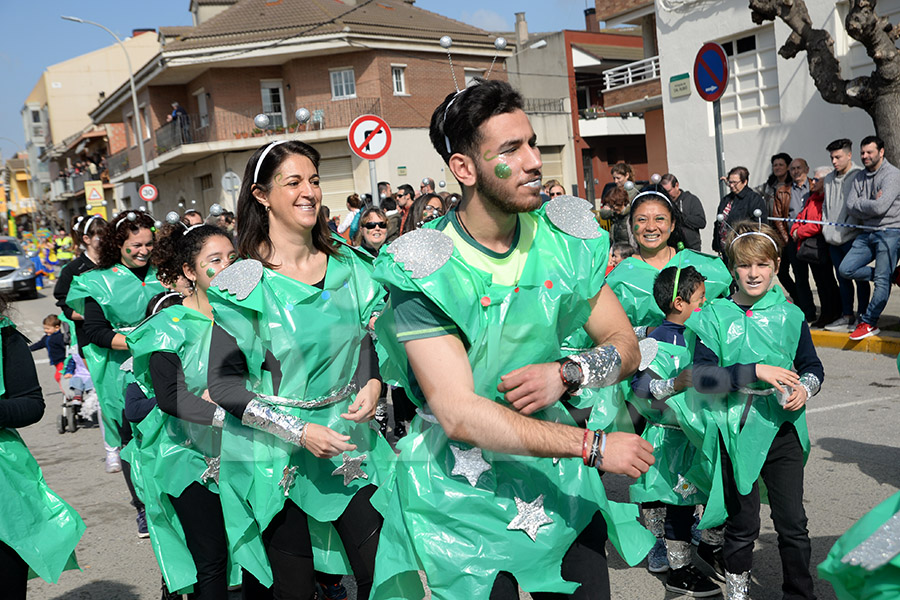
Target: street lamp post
137, 113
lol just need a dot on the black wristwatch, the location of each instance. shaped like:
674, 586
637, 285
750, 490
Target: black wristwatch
571, 374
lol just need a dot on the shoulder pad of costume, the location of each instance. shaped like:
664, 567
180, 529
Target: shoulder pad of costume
573, 215
878, 549
128, 365
649, 348
422, 251
239, 279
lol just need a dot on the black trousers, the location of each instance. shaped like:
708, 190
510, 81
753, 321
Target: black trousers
200, 513
13, 574
678, 520
126, 434
802, 295
782, 473
289, 549
584, 563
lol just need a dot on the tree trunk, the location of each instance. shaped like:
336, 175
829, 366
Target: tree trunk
886, 116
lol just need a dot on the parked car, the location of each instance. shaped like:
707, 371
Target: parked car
16, 269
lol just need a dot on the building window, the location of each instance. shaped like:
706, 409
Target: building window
272, 103
398, 77
343, 84
471, 74
751, 97
202, 107
145, 121
131, 131
35, 116
206, 182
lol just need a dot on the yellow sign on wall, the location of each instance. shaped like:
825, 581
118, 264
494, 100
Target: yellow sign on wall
93, 195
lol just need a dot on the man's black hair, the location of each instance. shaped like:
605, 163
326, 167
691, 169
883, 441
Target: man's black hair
872, 139
407, 189
460, 115
841, 144
382, 186
664, 287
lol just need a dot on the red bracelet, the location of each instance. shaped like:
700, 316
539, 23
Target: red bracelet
586, 445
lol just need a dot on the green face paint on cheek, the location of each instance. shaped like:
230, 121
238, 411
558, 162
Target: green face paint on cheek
502, 171
636, 227
210, 272
127, 250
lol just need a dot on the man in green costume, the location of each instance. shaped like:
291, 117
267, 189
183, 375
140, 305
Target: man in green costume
491, 490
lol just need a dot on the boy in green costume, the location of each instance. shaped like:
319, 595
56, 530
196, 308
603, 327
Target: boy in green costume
489, 489
678, 293
746, 346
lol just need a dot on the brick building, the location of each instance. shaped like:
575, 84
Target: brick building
337, 60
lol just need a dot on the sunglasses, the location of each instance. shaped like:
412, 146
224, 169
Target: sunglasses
553, 194
379, 225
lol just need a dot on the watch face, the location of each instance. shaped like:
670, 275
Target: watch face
572, 373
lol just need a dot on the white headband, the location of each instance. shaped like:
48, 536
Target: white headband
653, 192
88, 224
163, 299
262, 157
191, 228
737, 237
444, 121
130, 213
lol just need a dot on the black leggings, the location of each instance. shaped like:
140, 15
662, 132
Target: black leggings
200, 513
289, 548
13, 574
126, 435
584, 563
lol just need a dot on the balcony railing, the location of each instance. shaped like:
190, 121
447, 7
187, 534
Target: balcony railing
636, 72
221, 125
117, 163
536, 106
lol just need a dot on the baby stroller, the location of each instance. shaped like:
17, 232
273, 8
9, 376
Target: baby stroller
80, 404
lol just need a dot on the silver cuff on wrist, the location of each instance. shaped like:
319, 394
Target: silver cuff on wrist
601, 366
811, 383
641, 332
219, 417
263, 417
662, 388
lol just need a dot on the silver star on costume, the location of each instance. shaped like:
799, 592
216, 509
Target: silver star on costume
287, 479
469, 463
573, 216
531, 517
684, 488
421, 251
239, 278
212, 470
879, 548
351, 469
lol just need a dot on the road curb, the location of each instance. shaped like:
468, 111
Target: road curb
884, 343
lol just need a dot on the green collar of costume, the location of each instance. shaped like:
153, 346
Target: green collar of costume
122, 296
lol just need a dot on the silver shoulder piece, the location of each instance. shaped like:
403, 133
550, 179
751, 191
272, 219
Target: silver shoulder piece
239, 279
649, 347
422, 251
573, 215
128, 365
879, 548
640, 332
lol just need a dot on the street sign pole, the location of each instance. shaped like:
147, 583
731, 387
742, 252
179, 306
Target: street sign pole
720, 148
373, 177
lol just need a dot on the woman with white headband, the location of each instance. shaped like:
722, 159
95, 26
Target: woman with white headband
293, 365
181, 435
112, 298
655, 225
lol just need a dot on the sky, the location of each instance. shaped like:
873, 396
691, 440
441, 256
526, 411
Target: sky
33, 37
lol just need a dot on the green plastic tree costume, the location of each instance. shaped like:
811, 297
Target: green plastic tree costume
864, 564
35, 522
315, 335
174, 453
123, 298
670, 478
768, 333
457, 511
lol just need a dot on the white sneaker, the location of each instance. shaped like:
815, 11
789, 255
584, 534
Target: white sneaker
113, 462
841, 324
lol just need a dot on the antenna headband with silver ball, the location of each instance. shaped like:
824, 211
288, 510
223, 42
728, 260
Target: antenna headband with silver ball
163, 299
756, 213
131, 216
262, 157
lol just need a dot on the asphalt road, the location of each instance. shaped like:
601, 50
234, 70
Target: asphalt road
852, 467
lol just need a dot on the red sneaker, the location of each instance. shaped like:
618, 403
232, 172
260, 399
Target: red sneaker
864, 330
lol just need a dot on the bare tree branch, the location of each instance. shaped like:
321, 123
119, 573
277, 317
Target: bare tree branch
824, 67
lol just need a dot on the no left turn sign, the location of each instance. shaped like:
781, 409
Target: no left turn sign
369, 137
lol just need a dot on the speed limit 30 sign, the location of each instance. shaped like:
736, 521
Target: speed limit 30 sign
148, 192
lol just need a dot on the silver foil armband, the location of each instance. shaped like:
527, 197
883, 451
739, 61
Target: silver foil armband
219, 417
811, 383
641, 332
263, 417
601, 366
662, 388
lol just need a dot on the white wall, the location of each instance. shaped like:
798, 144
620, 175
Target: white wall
807, 124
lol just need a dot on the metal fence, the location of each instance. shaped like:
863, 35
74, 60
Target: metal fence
117, 163
534, 106
642, 70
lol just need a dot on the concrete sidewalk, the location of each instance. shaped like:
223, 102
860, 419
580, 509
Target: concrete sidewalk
887, 342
